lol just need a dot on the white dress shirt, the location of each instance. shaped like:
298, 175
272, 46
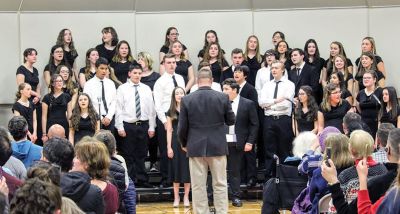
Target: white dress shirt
285, 89
162, 93
126, 105
263, 76
214, 86
241, 86
93, 89
235, 105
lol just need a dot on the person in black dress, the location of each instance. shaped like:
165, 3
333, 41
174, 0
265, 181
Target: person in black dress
210, 36
333, 108
390, 109
56, 106
109, 40
69, 87
253, 58
368, 45
178, 161
183, 66
215, 57
306, 113
56, 58
369, 101
336, 48
171, 36
89, 71
27, 73
283, 50
25, 108
337, 78
65, 39
340, 65
122, 60
368, 63
84, 120
313, 58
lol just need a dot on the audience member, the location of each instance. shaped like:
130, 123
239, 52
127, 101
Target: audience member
381, 142
59, 151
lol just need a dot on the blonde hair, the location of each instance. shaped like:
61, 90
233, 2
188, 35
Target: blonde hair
68, 206
362, 144
258, 55
302, 143
328, 89
147, 59
340, 153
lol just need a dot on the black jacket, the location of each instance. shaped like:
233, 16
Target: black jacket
117, 174
377, 186
249, 92
77, 187
308, 76
246, 125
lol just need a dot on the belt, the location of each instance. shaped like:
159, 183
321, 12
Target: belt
139, 122
277, 117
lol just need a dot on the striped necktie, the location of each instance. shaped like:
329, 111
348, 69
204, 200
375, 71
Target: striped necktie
137, 101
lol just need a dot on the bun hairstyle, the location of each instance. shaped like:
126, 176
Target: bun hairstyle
361, 143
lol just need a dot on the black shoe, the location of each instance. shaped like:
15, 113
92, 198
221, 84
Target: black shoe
237, 202
251, 183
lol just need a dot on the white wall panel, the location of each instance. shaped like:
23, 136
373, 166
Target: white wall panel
9, 56
232, 28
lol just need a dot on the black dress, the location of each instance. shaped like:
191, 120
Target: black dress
303, 124
217, 70
317, 64
370, 107
165, 49
334, 117
182, 68
179, 164
359, 79
52, 68
26, 112
254, 66
91, 75
121, 69
345, 94
85, 128
30, 77
150, 80
70, 58
387, 117
57, 109
105, 53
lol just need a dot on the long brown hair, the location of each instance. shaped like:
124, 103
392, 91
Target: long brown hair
76, 114
166, 43
117, 57
69, 84
246, 52
325, 104
220, 57
87, 63
340, 153
172, 107
182, 55
60, 41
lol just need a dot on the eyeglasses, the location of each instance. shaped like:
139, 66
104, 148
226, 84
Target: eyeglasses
58, 52
64, 71
174, 34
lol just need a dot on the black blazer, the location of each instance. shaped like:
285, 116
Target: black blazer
308, 76
246, 125
249, 92
203, 118
228, 73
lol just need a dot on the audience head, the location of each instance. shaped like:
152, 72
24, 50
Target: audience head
302, 143
38, 197
204, 77
92, 157
383, 133
393, 149
340, 154
69, 207
46, 172
59, 151
350, 117
169, 62
240, 74
5, 146
18, 128
325, 133
106, 137
145, 60
230, 88
277, 37
311, 49
237, 57
361, 144
30, 55
56, 130
270, 56
109, 36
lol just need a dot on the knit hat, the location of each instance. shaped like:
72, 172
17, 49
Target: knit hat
324, 134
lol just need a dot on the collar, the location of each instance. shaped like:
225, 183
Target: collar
131, 83
302, 65
168, 74
236, 100
205, 88
243, 83
370, 161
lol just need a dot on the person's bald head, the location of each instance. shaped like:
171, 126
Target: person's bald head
56, 130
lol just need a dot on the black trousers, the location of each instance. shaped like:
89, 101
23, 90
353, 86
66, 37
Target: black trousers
162, 146
278, 136
153, 148
110, 127
234, 158
249, 165
134, 149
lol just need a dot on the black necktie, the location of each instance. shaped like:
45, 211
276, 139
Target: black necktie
298, 72
103, 96
276, 89
175, 83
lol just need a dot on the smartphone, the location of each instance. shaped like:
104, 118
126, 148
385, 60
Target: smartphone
328, 155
